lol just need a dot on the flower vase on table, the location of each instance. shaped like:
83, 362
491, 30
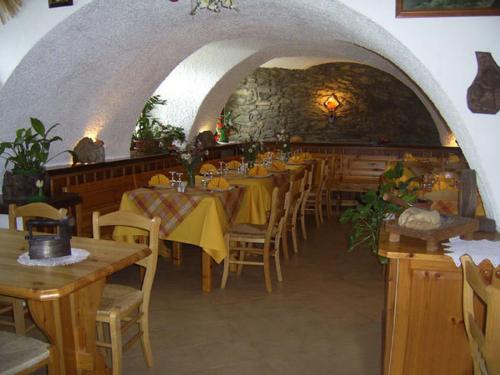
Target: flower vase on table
190, 157
190, 176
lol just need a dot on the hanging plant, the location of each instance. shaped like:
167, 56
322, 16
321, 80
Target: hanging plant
8, 9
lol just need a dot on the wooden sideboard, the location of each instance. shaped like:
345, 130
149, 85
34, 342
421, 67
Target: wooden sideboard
424, 331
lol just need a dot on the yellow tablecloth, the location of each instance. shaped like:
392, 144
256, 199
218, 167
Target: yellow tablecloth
204, 226
256, 200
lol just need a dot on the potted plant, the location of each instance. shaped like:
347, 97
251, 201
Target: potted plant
150, 134
28, 154
367, 217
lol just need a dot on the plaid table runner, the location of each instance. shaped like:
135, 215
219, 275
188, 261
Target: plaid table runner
230, 199
172, 207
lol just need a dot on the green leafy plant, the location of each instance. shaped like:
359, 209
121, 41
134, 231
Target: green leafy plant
150, 127
367, 218
29, 152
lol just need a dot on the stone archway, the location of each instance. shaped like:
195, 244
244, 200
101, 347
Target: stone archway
94, 70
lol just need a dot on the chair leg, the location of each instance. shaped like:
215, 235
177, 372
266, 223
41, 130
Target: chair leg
303, 225
226, 266
329, 209
241, 259
267, 273
116, 342
284, 238
101, 337
294, 238
278, 266
316, 214
319, 206
146, 342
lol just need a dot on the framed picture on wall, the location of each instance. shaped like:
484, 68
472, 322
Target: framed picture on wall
446, 8
59, 3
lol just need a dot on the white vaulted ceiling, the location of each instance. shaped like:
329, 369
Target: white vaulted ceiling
93, 71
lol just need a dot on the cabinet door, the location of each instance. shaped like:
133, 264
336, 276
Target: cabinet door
428, 334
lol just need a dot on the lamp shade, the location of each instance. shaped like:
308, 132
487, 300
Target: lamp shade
332, 103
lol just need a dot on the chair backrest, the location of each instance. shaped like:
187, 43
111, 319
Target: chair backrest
33, 210
279, 200
133, 220
297, 184
484, 346
320, 171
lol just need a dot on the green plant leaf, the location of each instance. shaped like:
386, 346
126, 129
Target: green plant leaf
38, 126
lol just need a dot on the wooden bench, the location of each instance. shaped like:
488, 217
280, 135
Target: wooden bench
356, 174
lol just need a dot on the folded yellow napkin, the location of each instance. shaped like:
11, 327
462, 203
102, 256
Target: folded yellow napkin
218, 183
158, 179
258, 171
296, 159
278, 165
408, 156
441, 184
207, 167
233, 164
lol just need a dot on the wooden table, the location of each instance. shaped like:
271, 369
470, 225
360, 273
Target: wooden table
63, 301
424, 327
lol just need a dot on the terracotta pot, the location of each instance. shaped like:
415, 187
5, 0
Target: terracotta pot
146, 146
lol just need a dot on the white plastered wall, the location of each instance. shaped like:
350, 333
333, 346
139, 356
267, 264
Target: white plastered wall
94, 70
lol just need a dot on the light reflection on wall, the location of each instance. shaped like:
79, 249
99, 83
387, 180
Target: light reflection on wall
94, 127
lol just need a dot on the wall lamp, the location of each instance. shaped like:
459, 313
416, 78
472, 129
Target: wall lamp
332, 103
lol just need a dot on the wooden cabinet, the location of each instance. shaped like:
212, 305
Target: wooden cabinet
424, 328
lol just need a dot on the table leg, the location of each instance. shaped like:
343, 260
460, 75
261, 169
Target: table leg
206, 271
69, 324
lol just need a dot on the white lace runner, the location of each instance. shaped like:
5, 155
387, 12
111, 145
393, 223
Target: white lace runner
77, 255
478, 250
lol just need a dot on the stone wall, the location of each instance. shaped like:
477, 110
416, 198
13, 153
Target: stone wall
376, 107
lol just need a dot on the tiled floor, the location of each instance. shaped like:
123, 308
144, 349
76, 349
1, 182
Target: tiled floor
325, 318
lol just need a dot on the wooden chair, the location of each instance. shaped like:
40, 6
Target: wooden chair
123, 306
298, 182
307, 191
241, 239
15, 306
328, 191
484, 346
24, 355
313, 203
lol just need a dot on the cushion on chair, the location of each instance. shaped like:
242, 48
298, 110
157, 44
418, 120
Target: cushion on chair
20, 352
118, 296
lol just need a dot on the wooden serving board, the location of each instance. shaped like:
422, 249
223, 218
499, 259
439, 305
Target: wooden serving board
451, 226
